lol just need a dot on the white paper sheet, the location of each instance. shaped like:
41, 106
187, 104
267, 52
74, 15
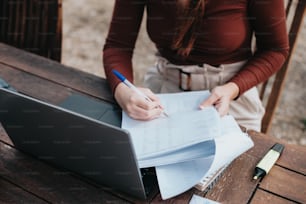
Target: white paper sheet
185, 126
173, 144
200, 200
184, 101
229, 145
177, 178
200, 150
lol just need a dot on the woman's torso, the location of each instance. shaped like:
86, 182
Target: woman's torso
225, 36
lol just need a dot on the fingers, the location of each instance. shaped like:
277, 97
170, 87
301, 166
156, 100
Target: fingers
221, 105
222, 109
219, 100
210, 101
137, 106
151, 95
141, 109
140, 113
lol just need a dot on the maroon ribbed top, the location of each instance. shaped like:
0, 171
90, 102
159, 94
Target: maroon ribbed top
225, 36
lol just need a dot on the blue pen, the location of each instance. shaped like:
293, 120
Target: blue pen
134, 88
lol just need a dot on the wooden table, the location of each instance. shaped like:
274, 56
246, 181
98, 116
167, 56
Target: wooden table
24, 179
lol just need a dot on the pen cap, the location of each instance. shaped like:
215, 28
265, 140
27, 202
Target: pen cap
278, 147
119, 75
259, 173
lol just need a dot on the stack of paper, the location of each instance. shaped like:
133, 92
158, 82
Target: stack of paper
189, 145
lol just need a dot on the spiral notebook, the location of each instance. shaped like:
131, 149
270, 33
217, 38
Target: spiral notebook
223, 158
209, 181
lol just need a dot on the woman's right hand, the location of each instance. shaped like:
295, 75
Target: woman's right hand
136, 106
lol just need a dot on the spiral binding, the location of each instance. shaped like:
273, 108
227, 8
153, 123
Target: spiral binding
209, 181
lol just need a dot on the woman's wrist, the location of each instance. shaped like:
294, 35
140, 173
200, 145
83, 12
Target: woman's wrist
118, 94
233, 90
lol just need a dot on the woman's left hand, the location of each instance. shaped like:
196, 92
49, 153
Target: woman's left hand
221, 96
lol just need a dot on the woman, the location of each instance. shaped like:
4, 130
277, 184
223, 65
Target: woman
202, 44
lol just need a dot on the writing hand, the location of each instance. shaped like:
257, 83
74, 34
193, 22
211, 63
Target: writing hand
136, 106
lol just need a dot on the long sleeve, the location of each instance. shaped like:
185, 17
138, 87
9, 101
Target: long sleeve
268, 20
227, 30
120, 42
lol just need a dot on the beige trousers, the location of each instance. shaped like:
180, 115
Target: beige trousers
165, 77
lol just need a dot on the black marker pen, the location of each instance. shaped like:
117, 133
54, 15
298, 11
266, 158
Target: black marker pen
266, 163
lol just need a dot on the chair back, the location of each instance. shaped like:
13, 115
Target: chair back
32, 25
271, 90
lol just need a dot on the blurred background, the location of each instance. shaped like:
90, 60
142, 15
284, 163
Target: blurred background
85, 26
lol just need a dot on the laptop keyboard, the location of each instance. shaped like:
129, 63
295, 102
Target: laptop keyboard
99, 110
149, 179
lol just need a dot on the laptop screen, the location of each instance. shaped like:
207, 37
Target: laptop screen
87, 146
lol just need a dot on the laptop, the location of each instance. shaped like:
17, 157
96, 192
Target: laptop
83, 136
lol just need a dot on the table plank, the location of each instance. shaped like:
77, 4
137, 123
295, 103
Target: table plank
34, 86
261, 197
293, 156
45, 181
10, 193
289, 184
236, 184
183, 198
55, 72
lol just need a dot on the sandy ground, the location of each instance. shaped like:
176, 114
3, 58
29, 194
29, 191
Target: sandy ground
85, 26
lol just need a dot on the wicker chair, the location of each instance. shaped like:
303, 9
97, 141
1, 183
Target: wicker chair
32, 25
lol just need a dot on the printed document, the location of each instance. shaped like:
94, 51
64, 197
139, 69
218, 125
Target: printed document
186, 125
177, 178
187, 147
